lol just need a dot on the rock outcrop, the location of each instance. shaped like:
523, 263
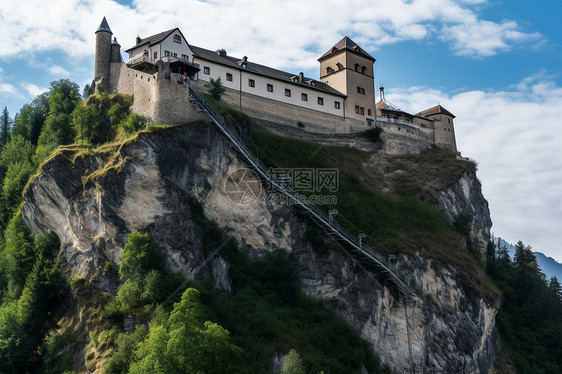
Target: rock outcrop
448, 327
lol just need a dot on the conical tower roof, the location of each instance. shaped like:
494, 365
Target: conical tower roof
104, 26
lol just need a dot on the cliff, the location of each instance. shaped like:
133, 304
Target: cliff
94, 200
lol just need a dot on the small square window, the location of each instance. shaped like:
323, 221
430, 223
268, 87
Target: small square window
287, 92
206, 70
320, 101
369, 112
177, 39
336, 104
304, 97
269, 87
251, 83
229, 77
359, 110
361, 90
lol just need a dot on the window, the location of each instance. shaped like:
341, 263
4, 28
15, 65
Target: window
336, 104
177, 39
206, 70
269, 87
340, 66
155, 55
287, 92
229, 77
359, 110
320, 101
251, 83
185, 57
363, 69
329, 70
360, 90
167, 53
304, 97
175, 54
356, 67
369, 112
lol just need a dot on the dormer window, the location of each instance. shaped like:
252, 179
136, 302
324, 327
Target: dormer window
177, 39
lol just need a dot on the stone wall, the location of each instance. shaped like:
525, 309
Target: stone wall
400, 139
163, 97
291, 115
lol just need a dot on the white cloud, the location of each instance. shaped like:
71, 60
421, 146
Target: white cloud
59, 71
33, 89
484, 38
275, 32
6, 88
516, 137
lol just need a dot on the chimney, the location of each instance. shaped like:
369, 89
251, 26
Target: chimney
301, 77
138, 39
244, 62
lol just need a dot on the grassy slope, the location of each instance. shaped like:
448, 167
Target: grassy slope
397, 220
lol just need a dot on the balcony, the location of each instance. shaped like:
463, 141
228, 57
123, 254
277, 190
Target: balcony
147, 64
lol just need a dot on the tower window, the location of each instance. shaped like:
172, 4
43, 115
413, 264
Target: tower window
269, 87
320, 101
363, 69
359, 110
251, 83
340, 66
229, 77
329, 70
356, 67
369, 112
360, 90
177, 39
304, 97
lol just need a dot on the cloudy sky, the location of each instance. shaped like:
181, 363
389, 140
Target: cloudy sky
496, 64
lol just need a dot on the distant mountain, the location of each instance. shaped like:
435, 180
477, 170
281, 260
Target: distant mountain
549, 266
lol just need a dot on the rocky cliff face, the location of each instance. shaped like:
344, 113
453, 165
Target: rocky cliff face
448, 327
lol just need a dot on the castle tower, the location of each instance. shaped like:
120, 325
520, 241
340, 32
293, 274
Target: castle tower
115, 51
444, 133
347, 68
103, 57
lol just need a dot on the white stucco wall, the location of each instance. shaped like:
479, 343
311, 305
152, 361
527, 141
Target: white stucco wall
279, 86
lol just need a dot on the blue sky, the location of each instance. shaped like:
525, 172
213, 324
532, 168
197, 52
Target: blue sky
497, 65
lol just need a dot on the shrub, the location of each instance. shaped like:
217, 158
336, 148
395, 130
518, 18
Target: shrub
373, 134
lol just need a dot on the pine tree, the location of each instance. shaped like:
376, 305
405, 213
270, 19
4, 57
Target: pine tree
5, 127
217, 88
293, 364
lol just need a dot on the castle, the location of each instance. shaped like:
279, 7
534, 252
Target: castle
161, 67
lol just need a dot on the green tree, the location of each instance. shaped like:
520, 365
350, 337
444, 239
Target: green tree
5, 123
86, 124
139, 257
63, 98
293, 364
217, 88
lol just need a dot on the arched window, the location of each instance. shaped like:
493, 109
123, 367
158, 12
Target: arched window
363, 69
356, 67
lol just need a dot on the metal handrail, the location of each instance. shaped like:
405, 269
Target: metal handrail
316, 214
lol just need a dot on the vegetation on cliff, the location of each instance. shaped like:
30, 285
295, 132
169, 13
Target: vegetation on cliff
265, 313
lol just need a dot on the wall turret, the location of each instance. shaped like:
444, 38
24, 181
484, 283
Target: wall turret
103, 57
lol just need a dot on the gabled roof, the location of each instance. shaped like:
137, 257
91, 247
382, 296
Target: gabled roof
155, 39
438, 109
235, 63
346, 44
104, 26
